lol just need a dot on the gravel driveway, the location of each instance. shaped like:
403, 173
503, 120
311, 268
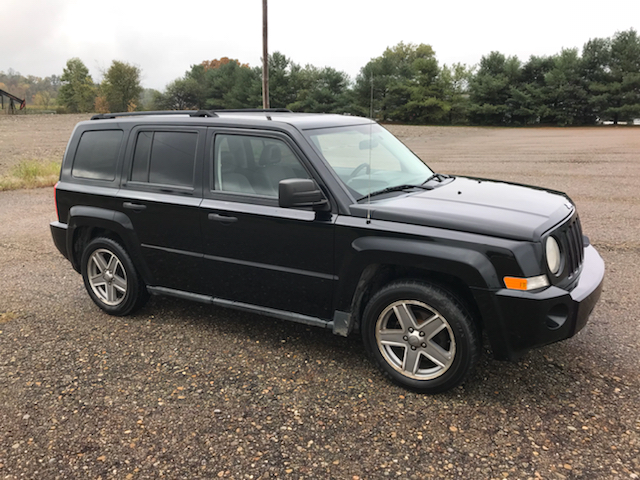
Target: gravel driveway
183, 390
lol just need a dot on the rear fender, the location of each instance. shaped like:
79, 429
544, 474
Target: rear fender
110, 221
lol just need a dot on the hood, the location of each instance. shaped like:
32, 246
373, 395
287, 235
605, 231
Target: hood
486, 207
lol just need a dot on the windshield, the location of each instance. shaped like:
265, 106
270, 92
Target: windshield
368, 158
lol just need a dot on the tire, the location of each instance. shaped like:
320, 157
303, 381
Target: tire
420, 336
111, 279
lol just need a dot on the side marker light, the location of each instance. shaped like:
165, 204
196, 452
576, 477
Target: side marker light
531, 283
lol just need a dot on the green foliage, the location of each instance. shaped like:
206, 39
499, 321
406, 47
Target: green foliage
214, 84
321, 91
406, 84
567, 98
529, 96
181, 94
77, 92
121, 87
231, 85
228, 84
494, 92
453, 83
284, 78
567, 89
619, 92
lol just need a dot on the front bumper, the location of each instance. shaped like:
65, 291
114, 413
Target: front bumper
534, 319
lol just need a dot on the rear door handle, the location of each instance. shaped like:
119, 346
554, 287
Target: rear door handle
136, 207
222, 218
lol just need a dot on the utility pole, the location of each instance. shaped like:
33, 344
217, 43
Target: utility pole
265, 58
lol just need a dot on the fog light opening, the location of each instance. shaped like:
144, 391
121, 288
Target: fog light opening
557, 316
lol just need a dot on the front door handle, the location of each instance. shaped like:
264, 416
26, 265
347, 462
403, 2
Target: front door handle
222, 218
136, 207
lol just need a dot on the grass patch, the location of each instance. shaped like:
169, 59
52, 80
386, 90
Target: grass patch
31, 174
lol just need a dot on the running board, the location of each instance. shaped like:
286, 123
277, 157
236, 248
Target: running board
245, 307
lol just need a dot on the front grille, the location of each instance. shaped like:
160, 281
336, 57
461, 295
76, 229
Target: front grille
569, 236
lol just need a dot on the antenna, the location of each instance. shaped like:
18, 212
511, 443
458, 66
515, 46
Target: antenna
371, 100
370, 148
265, 57
369, 192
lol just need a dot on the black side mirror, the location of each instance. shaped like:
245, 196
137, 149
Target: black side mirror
301, 192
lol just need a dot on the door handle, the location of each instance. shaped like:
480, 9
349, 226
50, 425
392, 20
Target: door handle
136, 207
222, 218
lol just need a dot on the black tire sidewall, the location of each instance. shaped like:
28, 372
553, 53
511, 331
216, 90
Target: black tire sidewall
132, 297
462, 326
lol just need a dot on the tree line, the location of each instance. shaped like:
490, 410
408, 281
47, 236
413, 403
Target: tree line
119, 91
75, 91
405, 84
36, 90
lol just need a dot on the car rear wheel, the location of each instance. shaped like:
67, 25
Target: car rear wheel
111, 279
420, 336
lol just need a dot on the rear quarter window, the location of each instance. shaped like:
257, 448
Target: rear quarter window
97, 155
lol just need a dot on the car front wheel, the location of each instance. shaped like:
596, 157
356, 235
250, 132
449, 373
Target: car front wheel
420, 336
110, 277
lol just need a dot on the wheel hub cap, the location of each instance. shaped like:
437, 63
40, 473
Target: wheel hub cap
414, 339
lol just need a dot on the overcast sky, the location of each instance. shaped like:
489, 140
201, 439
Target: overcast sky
164, 39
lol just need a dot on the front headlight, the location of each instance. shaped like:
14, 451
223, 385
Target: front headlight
554, 259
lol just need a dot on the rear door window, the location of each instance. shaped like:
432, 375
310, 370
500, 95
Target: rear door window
165, 158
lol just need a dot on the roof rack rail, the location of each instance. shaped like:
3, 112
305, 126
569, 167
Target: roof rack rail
254, 110
191, 113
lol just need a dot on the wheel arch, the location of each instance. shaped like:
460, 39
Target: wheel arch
378, 261
377, 276
87, 223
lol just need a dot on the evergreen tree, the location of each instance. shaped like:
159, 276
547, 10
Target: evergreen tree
77, 92
492, 100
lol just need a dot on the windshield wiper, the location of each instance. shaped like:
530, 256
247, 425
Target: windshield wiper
440, 177
397, 188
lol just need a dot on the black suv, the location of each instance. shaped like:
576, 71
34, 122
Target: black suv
326, 220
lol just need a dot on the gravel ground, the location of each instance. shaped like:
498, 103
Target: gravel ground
183, 390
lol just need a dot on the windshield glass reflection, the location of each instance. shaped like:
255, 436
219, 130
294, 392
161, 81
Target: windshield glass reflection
368, 158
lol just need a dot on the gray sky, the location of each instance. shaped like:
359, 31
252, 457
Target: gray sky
164, 39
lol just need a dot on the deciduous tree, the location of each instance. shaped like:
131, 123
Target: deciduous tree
121, 87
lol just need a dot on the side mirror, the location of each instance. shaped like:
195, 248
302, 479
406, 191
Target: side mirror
301, 192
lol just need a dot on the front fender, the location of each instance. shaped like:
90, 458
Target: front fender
472, 267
